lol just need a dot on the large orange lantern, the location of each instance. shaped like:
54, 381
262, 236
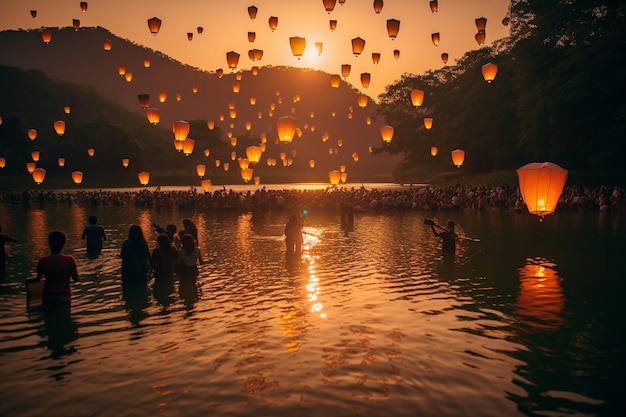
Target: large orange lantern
297, 45
489, 71
246, 174
34, 156
38, 175
77, 177
252, 11
59, 127
458, 156
154, 24
154, 116
201, 170
393, 27
188, 145
253, 153
386, 132
243, 163
144, 178
541, 185
334, 177
206, 185
181, 130
286, 127
357, 46
417, 97
232, 58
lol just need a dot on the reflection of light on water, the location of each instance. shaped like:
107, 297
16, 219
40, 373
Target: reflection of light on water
541, 299
313, 285
144, 220
38, 229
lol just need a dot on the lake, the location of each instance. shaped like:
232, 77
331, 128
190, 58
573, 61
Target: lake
527, 321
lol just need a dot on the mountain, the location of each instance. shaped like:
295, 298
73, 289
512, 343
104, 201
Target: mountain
333, 126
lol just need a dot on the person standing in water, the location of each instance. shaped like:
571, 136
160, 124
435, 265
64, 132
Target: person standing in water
94, 236
3, 254
135, 257
447, 236
293, 235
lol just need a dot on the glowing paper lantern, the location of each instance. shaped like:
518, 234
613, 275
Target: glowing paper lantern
365, 79
154, 24
189, 36
146, 63
433, 151
362, 101
211, 125
3, 162
121, 70
154, 116
46, 36
329, 5
206, 185
253, 153
232, 58
243, 163
312, 163
77, 177
181, 130
335, 81
251, 36
458, 156
428, 123
319, 46
207, 152
61, 162
30, 167
32, 134
273, 22
489, 71
128, 77
194, 88
201, 170
125, 162
107, 45
357, 46
393, 27
59, 127
541, 185
246, 174
481, 24
417, 97
435, 38
343, 177
333, 25
375, 58
188, 145
334, 177
178, 145
434, 7
444, 57
236, 87
286, 127
38, 175
144, 178
378, 6
297, 46
252, 11
76, 24
67, 109
144, 100
345, 70
83, 6
480, 38
386, 132
91, 151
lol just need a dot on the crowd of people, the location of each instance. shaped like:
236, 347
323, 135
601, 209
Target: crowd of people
458, 197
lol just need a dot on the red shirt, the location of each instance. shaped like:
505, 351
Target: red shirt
58, 269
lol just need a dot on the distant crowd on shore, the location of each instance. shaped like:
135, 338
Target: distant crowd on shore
450, 198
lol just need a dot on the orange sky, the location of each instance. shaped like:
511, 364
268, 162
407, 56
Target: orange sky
226, 25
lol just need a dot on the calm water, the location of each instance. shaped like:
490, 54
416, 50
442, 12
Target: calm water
528, 321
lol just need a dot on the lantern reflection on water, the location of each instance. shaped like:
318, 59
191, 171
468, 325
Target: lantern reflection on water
540, 301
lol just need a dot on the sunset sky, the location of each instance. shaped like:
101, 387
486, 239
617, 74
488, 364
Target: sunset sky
226, 25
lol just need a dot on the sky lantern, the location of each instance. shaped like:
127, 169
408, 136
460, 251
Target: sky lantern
396, 54
77, 177
458, 156
541, 185
181, 130
61, 162
386, 132
146, 63
362, 101
154, 116
357, 46
417, 97
345, 70
178, 145
393, 27
248, 125
365, 79
505, 21
206, 185
33, 13
32, 134
35, 156
59, 127
144, 178
311, 163
243, 163
251, 36
319, 46
335, 81
368, 120
91, 151
121, 70
76, 24
189, 36
233, 142
67, 109
226, 166
125, 162
201, 170
433, 151
188, 145
334, 177
329, 5
434, 7
286, 128
194, 88
252, 100
255, 54
211, 125
489, 71
298, 45
217, 163
162, 97
207, 152
3, 162
343, 177
257, 180
246, 174
444, 57
428, 123
435, 38
480, 38
83, 6
200, 29
273, 22
481, 24
219, 72
252, 10
46, 35
144, 100
38, 175
30, 167
333, 25
236, 87
254, 70
154, 24
378, 6
375, 58
128, 77
253, 153
232, 58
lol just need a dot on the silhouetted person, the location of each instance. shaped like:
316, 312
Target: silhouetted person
94, 235
293, 235
163, 264
135, 256
448, 237
188, 228
3, 254
189, 257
